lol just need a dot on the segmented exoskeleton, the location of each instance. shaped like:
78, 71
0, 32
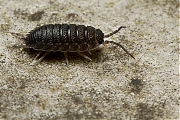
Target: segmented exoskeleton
67, 38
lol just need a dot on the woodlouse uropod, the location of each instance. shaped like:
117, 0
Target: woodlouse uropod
67, 38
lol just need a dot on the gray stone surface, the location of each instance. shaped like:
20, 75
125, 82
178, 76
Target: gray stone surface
112, 85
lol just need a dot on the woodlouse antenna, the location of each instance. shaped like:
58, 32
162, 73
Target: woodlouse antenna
118, 44
114, 32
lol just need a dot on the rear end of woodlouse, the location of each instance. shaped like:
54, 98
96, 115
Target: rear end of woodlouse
67, 38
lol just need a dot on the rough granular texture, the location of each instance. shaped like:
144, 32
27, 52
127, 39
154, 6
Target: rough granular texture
112, 85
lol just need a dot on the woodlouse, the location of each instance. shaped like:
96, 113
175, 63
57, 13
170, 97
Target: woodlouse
67, 38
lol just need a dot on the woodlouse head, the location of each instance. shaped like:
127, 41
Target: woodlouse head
99, 36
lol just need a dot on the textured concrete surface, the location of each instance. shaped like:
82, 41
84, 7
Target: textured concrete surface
113, 85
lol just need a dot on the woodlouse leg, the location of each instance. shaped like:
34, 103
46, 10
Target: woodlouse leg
118, 44
37, 55
89, 52
40, 59
65, 55
34, 60
84, 56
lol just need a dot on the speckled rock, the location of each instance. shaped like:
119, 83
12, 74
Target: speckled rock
112, 85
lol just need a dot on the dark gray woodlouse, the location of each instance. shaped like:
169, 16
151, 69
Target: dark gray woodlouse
67, 38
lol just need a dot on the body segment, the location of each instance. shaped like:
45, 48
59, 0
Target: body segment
64, 38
